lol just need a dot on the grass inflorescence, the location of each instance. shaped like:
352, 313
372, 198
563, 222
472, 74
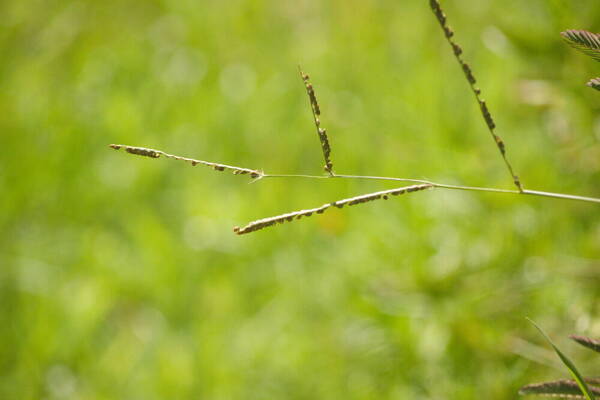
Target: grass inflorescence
295, 215
142, 151
576, 38
316, 112
468, 72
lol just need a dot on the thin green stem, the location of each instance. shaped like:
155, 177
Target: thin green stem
382, 178
442, 186
561, 196
296, 176
475, 188
257, 175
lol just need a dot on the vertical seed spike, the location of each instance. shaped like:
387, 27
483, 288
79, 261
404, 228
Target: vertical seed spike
468, 73
316, 112
500, 144
486, 115
517, 181
470, 77
457, 49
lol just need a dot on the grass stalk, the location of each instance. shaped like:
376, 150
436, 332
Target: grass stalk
316, 113
420, 184
487, 116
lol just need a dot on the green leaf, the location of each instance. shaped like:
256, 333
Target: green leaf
567, 388
584, 41
569, 364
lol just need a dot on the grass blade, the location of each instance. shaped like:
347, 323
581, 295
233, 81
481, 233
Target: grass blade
569, 364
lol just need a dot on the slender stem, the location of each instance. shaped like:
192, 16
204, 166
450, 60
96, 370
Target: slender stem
258, 175
296, 176
442, 186
561, 196
474, 188
382, 178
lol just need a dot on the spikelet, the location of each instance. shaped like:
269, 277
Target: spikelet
594, 83
142, 151
590, 343
489, 121
316, 111
289, 217
563, 388
584, 41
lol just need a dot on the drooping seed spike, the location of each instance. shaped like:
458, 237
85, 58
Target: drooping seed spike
296, 215
590, 343
486, 115
142, 151
139, 151
468, 73
563, 388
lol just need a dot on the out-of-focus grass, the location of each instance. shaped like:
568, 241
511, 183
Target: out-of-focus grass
120, 276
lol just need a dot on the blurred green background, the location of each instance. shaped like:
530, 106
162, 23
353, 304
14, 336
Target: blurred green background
120, 276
